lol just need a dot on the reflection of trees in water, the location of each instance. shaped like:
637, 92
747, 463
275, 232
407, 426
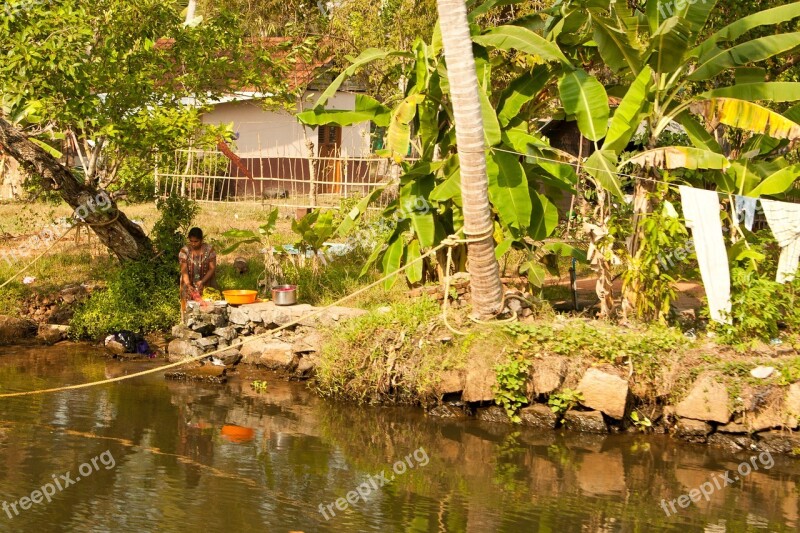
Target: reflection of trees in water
480, 476
518, 475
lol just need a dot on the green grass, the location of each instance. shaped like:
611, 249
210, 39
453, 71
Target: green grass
645, 349
387, 356
51, 273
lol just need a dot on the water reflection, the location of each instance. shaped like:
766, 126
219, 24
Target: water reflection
226, 458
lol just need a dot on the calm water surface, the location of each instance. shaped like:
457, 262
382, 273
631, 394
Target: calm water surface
172, 456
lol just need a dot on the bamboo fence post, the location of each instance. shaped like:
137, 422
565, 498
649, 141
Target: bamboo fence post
344, 171
312, 189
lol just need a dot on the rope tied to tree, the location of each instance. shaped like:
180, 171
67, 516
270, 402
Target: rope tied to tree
452, 241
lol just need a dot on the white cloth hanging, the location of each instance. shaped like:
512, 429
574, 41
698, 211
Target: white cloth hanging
784, 221
701, 211
746, 211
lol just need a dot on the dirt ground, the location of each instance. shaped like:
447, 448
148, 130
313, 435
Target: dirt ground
691, 294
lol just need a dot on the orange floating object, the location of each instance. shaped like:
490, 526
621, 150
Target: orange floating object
240, 297
237, 434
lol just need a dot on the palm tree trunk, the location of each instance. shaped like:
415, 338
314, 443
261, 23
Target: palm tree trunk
124, 238
487, 289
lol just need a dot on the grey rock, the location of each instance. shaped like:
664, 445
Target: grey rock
13, 329
272, 354
734, 427
538, 416
183, 332
777, 441
310, 342
52, 333
447, 411
452, 381
180, 349
692, 430
203, 328
228, 333
306, 365
115, 347
230, 356
492, 414
585, 421
481, 379
206, 343
547, 376
238, 316
731, 443
255, 315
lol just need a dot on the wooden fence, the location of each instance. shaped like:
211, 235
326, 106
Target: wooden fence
300, 182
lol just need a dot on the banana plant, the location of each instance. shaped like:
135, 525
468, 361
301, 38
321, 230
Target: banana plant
524, 171
661, 64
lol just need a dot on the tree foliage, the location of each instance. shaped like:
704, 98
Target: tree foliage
116, 77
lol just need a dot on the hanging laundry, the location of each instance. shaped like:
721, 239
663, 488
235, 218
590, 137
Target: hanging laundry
784, 221
701, 210
746, 210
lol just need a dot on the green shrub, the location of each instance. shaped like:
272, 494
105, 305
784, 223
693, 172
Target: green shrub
140, 296
760, 306
169, 231
512, 378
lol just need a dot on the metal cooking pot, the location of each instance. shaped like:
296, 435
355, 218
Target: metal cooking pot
284, 294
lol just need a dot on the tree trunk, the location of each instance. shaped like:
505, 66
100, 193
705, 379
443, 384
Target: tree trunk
642, 190
124, 238
487, 289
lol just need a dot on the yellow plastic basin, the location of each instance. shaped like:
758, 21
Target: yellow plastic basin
240, 297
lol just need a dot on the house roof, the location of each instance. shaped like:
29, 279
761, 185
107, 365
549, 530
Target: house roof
301, 74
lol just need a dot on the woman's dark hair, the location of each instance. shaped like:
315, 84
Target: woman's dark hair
196, 233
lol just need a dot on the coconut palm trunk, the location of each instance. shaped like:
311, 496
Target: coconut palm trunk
487, 289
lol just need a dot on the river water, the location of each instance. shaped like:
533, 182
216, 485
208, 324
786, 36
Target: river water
154, 455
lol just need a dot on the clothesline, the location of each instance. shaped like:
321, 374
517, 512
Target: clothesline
701, 210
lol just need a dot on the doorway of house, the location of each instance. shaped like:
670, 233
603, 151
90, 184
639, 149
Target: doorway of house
329, 173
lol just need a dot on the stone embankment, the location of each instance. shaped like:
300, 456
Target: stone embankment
738, 416
753, 414
293, 351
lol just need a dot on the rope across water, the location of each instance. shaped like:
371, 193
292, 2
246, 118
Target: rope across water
448, 242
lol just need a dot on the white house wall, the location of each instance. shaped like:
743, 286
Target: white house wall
265, 133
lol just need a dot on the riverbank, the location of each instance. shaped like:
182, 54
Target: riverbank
555, 371
231, 442
546, 371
